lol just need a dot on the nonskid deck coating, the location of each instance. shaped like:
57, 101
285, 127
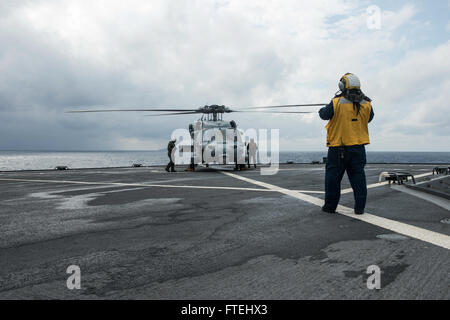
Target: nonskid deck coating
142, 233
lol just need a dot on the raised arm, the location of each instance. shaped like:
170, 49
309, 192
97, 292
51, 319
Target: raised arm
327, 112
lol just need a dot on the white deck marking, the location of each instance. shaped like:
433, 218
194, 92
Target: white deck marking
443, 203
379, 184
145, 185
432, 237
119, 190
431, 180
350, 190
310, 191
134, 184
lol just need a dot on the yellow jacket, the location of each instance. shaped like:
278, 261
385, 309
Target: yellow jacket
346, 127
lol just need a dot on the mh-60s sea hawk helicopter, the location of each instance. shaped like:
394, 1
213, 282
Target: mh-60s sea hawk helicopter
204, 132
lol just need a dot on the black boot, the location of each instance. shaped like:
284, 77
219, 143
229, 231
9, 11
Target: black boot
328, 210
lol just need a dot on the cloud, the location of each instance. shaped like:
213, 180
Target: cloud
395, 19
59, 55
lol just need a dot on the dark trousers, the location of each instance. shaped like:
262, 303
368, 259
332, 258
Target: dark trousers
171, 164
353, 160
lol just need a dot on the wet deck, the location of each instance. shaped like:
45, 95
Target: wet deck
141, 233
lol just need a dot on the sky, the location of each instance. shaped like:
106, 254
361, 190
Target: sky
76, 54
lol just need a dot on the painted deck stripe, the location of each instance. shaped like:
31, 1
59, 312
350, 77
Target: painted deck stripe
310, 191
379, 184
431, 180
432, 237
133, 184
441, 202
147, 185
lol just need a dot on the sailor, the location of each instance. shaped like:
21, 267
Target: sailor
171, 148
251, 150
349, 113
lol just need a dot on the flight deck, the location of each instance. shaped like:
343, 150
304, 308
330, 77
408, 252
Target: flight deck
143, 233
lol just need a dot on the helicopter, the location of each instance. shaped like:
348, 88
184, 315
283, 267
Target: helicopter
204, 146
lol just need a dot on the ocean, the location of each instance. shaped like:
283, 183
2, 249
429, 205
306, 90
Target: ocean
39, 160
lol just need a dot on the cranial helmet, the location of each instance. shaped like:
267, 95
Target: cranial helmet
349, 81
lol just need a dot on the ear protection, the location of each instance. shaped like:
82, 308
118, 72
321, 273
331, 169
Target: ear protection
342, 84
349, 81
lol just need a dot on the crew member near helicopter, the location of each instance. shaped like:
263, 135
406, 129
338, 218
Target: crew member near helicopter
251, 151
349, 113
171, 148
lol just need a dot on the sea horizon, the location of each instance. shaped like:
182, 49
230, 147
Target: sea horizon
18, 160
164, 149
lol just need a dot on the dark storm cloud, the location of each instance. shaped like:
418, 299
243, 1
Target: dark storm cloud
42, 77
40, 80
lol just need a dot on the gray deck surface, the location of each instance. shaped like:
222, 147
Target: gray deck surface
133, 241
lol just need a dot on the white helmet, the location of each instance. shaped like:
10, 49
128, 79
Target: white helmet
349, 81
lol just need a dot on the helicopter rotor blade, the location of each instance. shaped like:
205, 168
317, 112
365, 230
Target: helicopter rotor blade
133, 110
286, 106
273, 112
169, 114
